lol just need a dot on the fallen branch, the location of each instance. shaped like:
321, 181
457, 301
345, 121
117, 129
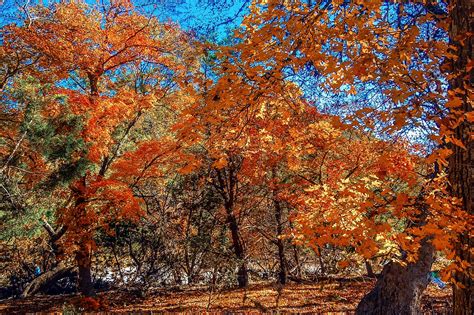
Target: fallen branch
47, 279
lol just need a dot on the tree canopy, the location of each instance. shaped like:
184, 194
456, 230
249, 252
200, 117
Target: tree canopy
337, 133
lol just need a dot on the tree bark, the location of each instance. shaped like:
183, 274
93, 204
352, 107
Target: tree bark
227, 182
399, 289
370, 270
296, 257
54, 236
461, 162
242, 273
83, 251
84, 263
282, 273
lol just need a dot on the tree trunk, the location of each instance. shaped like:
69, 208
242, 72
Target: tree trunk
83, 251
461, 162
282, 273
370, 270
399, 289
227, 186
242, 273
84, 263
46, 280
296, 256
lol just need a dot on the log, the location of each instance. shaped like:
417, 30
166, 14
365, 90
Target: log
47, 279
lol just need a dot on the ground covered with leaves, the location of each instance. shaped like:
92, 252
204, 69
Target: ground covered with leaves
327, 296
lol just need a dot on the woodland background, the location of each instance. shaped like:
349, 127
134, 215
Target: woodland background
237, 155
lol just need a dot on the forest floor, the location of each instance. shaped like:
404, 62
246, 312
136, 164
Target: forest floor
339, 297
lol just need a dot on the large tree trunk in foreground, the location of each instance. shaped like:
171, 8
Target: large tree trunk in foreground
47, 279
461, 162
399, 289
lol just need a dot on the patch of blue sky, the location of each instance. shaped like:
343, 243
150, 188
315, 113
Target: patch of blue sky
371, 94
206, 18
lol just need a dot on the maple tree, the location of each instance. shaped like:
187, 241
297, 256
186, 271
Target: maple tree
341, 125
341, 49
459, 127
89, 57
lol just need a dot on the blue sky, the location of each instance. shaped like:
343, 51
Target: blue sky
212, 18
203, 16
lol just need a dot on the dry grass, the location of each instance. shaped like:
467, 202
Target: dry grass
334, 298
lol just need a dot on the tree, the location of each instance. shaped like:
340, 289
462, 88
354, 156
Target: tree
342, 125
279, 40
460, 128
90, 57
